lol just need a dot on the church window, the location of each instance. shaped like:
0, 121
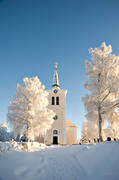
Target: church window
57, 100
53, 101
55, 117
55, 131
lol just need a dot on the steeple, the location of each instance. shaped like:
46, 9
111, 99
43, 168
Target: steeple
55, 78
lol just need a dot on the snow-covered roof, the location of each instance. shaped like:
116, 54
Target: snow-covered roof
70, 124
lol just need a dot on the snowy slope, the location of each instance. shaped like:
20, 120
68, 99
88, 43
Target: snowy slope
76, 162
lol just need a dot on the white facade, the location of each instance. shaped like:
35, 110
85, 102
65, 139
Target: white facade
57, 102
59, 124
71, 132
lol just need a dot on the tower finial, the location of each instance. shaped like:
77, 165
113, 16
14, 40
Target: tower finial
56, 65
55, 78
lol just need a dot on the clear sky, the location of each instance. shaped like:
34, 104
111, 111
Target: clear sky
36, 33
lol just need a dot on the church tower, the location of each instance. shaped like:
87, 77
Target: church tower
57, 102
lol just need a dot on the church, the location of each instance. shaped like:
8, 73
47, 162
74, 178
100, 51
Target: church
62, 131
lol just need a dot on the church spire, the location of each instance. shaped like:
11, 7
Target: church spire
55, 78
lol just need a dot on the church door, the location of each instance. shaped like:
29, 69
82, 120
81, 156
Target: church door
55, 139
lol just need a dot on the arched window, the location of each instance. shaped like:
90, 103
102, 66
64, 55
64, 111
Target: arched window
53, 101
57, 100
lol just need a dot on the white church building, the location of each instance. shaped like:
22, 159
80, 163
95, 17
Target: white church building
62, 131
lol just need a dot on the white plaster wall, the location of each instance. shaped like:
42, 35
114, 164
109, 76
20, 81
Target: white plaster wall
71, 134
60, 123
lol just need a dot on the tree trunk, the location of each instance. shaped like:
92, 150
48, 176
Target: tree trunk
100, 125
28, 130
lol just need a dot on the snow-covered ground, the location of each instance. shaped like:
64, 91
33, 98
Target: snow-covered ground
76, 162
21, 146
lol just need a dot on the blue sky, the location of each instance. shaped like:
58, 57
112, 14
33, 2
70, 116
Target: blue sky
34, 34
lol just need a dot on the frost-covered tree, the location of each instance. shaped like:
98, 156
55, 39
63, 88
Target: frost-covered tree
103, 74
112, 130
84, 133
3, 132
89, 130
84, 130
28, 113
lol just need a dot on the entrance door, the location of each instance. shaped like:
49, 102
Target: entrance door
55, 139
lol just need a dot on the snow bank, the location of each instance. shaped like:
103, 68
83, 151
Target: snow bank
21, 146
76, 162
5, 146
28, 146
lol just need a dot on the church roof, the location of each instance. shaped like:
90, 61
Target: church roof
70, 124
55, 78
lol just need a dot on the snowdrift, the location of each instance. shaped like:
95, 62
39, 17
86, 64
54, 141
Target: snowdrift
21, 146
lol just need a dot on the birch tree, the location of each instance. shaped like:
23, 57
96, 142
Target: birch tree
28, 113
103, 85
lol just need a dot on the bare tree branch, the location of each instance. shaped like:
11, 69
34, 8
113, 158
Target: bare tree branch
105, 97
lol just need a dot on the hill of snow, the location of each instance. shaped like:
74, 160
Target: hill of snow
76, 162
